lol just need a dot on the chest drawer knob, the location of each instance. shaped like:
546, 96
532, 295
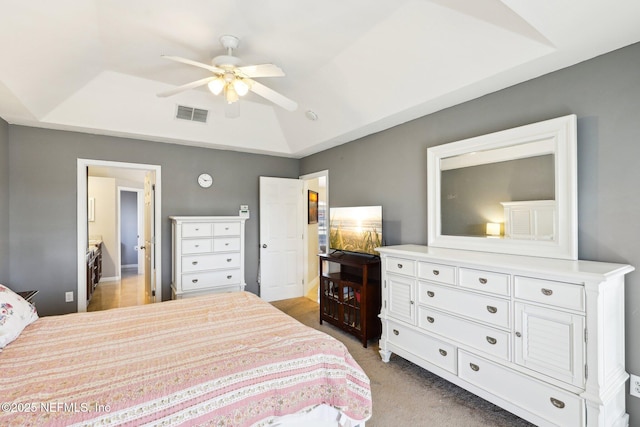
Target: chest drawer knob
491, 340
399, 265
436, 272
396, 332
194, 281
443, 352
431, 294
546, 291
194, 262
228, 259
491, 309
482, 280
229, 276
430, 319
557, 403
474, 367
518, 334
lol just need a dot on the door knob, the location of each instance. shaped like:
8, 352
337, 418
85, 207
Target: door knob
264, 245
143, 247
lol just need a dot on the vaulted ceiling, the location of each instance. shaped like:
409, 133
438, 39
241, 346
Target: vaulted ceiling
360, 66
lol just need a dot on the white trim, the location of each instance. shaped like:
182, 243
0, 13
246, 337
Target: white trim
82, 231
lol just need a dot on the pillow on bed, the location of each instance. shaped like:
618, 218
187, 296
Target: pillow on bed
15, 314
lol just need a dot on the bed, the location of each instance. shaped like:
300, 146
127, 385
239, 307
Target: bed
225, 360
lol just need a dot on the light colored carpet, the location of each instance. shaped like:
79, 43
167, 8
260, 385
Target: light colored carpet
403, 393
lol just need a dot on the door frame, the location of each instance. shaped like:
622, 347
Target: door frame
82, 226
308, 285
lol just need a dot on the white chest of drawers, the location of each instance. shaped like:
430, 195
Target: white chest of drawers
542, 338
207, 254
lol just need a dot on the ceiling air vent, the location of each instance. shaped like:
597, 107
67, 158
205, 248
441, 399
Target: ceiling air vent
192, 114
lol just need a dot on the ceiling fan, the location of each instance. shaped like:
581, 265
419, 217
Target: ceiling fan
232, 80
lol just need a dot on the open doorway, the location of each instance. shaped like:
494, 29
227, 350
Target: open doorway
101, 185
316, 235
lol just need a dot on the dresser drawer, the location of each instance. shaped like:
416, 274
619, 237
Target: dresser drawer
401, 266
481, 337
193, 281
226, 229
430, 349
559, 294
197, 229
483, 308
437, 273
197, 246
226, 244
487, 281
555, 405
210, 262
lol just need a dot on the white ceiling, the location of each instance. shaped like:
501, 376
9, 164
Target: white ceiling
361, 65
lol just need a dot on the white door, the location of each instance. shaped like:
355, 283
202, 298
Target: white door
281, 238
149, 238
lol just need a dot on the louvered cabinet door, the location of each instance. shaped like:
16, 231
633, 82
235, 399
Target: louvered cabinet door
402, 296
550, 342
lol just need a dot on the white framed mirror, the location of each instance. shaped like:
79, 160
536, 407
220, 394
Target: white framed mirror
513, 191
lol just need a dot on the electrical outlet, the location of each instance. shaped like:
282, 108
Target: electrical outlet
68, 296
634, 385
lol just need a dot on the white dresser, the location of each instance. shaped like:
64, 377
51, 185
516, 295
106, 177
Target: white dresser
542, 338
207, 254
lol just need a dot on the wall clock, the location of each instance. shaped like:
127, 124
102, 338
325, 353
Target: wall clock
205, 180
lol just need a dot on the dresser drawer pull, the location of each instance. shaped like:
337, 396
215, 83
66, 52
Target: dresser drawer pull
491, 340
412, 302
396, 332
518, 334
226, 244
197, 246
194, 281
399, 265
491, 309
557, 403
228, 259
431, 294
546, 291
482, 280
443, 352
194, 262
229, 276
474, 367
436, 272
226, 228
430, 319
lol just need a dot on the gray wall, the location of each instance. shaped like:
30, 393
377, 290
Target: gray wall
389, 168
42, 189
4, 202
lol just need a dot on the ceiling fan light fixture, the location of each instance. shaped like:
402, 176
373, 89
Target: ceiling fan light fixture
217, 85
230, 94
240, 86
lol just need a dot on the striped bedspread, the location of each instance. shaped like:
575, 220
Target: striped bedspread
225, 360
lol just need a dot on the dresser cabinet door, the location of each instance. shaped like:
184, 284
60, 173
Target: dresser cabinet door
550, 342
402, 295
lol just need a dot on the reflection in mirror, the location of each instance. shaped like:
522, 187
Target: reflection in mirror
473, 196
513, 191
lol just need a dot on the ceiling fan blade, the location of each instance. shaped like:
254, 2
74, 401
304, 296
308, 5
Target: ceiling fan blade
187, 86
194, 63
262, 70
273, 96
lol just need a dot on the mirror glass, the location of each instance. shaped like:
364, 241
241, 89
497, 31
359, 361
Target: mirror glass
512, 191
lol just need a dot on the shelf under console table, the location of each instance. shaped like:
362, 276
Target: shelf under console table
542, 338
350, 293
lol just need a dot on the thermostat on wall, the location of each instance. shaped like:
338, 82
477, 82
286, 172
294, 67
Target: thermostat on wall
244, 211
